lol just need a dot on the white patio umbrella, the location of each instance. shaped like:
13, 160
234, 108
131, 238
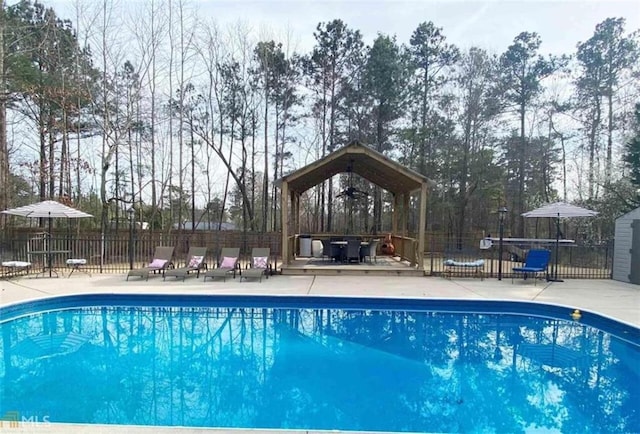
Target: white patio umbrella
559, 210
48, 209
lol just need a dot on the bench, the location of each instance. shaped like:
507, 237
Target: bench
476, 266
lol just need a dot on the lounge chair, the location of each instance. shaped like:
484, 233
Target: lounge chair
159, 264
537, 261
228, 263
260, 264
194, 264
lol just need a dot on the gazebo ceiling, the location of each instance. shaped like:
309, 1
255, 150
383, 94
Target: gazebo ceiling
361, 160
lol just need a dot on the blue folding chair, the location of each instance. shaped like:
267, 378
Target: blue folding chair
537, 261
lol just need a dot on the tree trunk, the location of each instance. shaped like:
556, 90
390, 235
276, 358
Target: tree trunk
265, 176
5, 178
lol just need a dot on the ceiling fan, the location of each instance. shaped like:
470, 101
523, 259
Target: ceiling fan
351, 192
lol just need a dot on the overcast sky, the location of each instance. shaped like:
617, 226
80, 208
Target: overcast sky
489, 24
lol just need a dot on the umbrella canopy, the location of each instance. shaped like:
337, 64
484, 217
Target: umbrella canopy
47, 209
560, 209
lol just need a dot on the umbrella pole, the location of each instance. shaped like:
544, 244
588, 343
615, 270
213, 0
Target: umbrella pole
49, 244
555, 265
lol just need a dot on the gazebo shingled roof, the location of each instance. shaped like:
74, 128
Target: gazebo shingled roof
361, 160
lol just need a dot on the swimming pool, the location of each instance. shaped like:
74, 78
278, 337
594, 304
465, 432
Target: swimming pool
318, 363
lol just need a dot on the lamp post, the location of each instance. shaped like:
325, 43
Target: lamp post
131, 213
502, 213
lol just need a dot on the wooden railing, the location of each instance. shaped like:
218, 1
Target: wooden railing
406, 248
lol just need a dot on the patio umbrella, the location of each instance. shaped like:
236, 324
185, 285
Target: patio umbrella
48, 209
552, 355
559, 210
49, 345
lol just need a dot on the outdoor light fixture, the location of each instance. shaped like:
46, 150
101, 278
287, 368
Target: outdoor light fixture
502, 213
131, 211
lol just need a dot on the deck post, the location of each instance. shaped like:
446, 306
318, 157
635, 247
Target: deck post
423, 223
285, 222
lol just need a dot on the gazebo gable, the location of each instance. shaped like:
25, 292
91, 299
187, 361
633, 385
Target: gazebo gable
361, 160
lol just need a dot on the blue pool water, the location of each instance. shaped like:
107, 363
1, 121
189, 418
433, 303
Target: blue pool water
319, 363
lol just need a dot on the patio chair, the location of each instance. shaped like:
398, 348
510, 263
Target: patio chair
369, 251
194, 264
259, 265
326, 248
159, 264
228, 263
353, 250
537, 261
336, 251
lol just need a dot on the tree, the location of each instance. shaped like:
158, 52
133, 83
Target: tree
51, 72
604, 59
5, 176
279, 76
479, 108
385, 81
430, 56
330, 68
522, 72
631, 155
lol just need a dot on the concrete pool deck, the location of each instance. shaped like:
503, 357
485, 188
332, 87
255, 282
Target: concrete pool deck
617, 300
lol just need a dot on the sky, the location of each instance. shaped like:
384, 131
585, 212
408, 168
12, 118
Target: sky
491, 25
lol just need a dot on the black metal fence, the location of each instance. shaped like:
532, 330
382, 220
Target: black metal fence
111, 254
574, 261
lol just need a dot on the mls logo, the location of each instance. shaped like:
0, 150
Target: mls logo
12, 419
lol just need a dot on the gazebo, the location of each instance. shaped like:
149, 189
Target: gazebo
375, 168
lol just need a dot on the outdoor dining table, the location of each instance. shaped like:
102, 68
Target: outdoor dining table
47, 263
342, 244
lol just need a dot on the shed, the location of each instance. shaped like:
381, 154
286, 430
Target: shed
626, 254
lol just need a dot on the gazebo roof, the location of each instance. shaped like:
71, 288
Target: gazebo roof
361, 160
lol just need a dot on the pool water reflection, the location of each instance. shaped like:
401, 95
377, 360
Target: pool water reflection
319, 368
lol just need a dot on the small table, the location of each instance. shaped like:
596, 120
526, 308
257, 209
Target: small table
47, 263
76, 264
